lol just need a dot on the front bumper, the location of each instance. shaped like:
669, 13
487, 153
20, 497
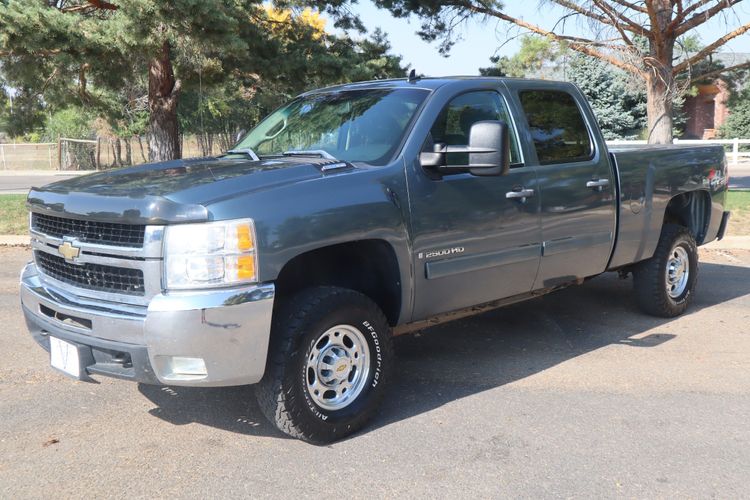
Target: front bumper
228, 329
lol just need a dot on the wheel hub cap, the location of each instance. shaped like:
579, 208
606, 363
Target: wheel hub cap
337, 367
678, 272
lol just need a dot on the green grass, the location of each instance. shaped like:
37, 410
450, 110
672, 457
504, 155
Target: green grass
14, 218
738, 200
739, 203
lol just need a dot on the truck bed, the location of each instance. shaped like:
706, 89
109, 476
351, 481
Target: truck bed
649, 177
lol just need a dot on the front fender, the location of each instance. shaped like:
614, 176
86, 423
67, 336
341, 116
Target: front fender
361, 204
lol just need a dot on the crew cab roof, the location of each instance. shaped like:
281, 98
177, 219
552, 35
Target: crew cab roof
429, 83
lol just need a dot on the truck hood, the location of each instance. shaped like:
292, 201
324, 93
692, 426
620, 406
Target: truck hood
174, 191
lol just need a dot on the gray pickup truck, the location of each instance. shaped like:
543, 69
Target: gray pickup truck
350, 215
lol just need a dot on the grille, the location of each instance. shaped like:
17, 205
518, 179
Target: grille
92, 276
103, 233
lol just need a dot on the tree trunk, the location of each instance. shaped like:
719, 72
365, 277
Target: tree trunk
660, 110
128, 152
163, 91
201, 137
118, 152
140, 145
660, 83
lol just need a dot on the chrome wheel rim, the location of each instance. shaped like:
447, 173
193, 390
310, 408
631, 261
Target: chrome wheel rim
337, 367
678, 272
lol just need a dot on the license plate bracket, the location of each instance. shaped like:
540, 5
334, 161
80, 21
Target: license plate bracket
69, 358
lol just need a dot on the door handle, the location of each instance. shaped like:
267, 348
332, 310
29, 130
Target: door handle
520, 194
598, 184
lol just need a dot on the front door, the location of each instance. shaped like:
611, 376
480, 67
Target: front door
471, 242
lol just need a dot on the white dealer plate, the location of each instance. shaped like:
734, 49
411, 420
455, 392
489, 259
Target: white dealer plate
64, 357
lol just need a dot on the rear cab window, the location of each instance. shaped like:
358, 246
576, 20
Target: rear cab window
557, 127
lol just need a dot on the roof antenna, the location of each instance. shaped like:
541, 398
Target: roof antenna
413, 76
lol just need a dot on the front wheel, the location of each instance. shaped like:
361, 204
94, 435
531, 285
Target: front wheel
665, 283
330, 358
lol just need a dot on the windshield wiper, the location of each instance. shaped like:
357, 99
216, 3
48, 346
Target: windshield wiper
244, 151
311, 152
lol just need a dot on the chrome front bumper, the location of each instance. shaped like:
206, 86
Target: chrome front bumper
228, 329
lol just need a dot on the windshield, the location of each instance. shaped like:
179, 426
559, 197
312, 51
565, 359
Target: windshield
354, 125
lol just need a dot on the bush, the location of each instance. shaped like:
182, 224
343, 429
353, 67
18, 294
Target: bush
738, 121
74, 123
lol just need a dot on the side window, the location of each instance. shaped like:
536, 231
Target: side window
455, 120
559, 132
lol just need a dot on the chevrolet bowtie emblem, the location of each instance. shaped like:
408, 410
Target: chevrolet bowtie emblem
69, 251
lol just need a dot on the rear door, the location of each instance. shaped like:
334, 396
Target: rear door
471, 242
576, 183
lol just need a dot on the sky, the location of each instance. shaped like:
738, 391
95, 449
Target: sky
481, 40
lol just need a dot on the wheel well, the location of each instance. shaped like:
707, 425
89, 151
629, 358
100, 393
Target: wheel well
368, 266
692, 210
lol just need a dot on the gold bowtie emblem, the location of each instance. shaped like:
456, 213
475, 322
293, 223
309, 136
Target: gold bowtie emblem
69, 251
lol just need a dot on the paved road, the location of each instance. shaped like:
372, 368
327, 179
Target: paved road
21, 183
739, 177
574, 394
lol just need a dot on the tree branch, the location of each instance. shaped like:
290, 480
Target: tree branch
82, 82
48, 81
702, 17
581, 10
582, 45
89, 6
717, 72
710, 48
608, 20
635, 27
36, 53
631, 5
692, 8
612, 15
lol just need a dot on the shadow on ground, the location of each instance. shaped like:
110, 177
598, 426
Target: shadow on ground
465, 357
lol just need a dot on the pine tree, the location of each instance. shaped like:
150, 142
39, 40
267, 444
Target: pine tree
105, 56
619, 104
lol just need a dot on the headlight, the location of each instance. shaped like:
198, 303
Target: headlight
210, 254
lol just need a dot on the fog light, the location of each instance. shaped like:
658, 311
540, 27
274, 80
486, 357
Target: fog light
188, 366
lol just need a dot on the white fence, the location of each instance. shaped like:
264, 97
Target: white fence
86, 154
38, 155
65, 154
734, 156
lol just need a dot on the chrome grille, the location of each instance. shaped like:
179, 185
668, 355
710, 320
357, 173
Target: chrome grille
101, 233
92, 276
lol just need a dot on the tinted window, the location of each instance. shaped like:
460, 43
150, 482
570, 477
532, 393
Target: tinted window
557, 127
365, 125
454, 123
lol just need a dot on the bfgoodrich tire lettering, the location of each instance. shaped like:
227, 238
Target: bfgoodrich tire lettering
665, 283
318, 342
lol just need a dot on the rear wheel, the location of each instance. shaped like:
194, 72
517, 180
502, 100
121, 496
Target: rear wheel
665, 283
330, 358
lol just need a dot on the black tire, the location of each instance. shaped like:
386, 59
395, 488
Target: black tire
650, 276
298, 324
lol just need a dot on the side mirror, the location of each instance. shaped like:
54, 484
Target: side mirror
489, 148
488, 151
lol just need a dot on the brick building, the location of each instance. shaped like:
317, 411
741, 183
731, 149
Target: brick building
707, 110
